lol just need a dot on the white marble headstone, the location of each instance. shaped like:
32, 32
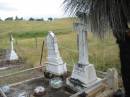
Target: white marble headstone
11, 55
55, 63
83, 71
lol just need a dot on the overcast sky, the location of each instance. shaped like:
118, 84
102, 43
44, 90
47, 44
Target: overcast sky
31, 8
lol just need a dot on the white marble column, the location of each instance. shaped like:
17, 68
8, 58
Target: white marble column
82, 44
12, 42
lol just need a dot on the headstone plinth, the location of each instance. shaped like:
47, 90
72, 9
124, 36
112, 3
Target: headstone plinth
11, 55
55, 63
84, 74
56, 69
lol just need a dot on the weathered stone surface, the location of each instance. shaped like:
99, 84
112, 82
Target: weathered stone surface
55, 63
83, 72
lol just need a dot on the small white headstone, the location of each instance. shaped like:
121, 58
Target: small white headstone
11, 55
55, 63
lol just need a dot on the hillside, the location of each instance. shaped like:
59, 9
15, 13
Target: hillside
102, 53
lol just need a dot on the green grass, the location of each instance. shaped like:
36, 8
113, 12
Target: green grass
34, 28
102, 53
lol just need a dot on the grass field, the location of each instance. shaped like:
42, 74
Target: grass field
102, 53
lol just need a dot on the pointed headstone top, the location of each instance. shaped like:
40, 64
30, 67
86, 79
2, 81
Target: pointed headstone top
51, 34
11, 37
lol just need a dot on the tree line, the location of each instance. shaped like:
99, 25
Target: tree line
21, 18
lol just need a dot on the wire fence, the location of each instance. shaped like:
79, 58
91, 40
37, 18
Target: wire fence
69, 54
21, 73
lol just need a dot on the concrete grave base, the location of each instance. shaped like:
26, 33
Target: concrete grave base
78, 88
83, 76
56, 69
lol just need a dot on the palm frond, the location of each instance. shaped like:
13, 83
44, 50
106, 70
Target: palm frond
101, 15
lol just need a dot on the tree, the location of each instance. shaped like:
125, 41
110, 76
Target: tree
9, 19
18, 19
31, 19
50, 19
1, 19
99, 16
40, 19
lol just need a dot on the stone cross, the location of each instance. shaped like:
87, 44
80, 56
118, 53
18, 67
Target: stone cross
82, 44
83, 73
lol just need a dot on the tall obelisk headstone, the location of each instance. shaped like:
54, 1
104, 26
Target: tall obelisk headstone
84, 74
11, 55
55, 63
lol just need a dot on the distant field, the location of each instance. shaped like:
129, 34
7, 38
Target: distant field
102, 53
25, 29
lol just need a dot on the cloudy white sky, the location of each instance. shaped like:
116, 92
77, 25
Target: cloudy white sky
31, 8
